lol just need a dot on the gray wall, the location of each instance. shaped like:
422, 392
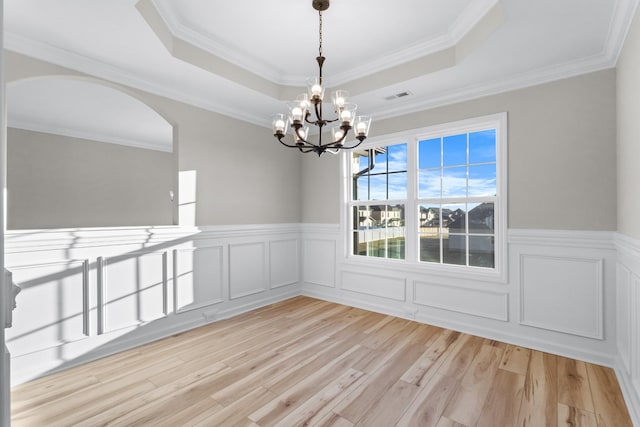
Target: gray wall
61, 182
562, 161
628, 126
243, 175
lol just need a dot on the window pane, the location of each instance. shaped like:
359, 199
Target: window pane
397, 155
359, 244
454, 217
429, 217
429, 183
398, 186
430, 247
361, 217
454, 182
482, 146
454, 150
429, 153
378, 187
482, 180
481, 218
362, 189
454, 249
394, 218
481, 251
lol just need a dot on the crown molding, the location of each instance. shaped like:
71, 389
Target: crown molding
474, 91
219, 48
91, 136
92, 67
624, 12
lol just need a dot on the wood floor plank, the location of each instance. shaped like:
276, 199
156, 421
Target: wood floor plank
503, 400
426, 409
395, 400
539, 401
317, 406
238, 411
332, 420
309, 362
515, 359
468, 400
446, 422
572, 417
430, 360
609, 406
573, 384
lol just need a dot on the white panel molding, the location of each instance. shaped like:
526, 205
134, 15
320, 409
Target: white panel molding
562, 238
284, 263
245, 281
540, 316
628, 321
380, 285
462, 300
319, 262
624, 316
216, 280
48, 289
147, 309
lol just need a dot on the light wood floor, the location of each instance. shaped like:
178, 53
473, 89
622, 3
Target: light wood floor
310, 362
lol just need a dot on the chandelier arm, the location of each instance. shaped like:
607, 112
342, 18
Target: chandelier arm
354, 146
284, 143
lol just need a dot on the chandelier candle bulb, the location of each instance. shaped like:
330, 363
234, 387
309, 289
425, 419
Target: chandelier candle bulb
296, 113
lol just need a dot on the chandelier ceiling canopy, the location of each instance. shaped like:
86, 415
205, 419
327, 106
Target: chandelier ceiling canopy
308, 109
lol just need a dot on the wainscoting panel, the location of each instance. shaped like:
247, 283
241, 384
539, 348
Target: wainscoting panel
197, 277
628, 321
319, 262
624, 319
385, 286
131, 302
283, 263
246, 269
562, 294
57, 297
88, 293
491, 305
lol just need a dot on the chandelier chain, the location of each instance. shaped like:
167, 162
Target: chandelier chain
320, 34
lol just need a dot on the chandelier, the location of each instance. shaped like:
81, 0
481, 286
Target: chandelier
307, 109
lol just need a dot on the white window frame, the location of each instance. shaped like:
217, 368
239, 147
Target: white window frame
411, 262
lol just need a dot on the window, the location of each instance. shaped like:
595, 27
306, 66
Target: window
433, 196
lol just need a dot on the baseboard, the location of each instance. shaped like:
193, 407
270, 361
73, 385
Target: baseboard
631, 398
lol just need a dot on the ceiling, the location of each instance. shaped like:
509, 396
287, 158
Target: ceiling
245, 59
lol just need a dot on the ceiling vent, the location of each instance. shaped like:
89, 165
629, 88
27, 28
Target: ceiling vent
398, 95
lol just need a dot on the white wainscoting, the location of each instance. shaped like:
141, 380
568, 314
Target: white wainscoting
88, 293
628, 321
559, 296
